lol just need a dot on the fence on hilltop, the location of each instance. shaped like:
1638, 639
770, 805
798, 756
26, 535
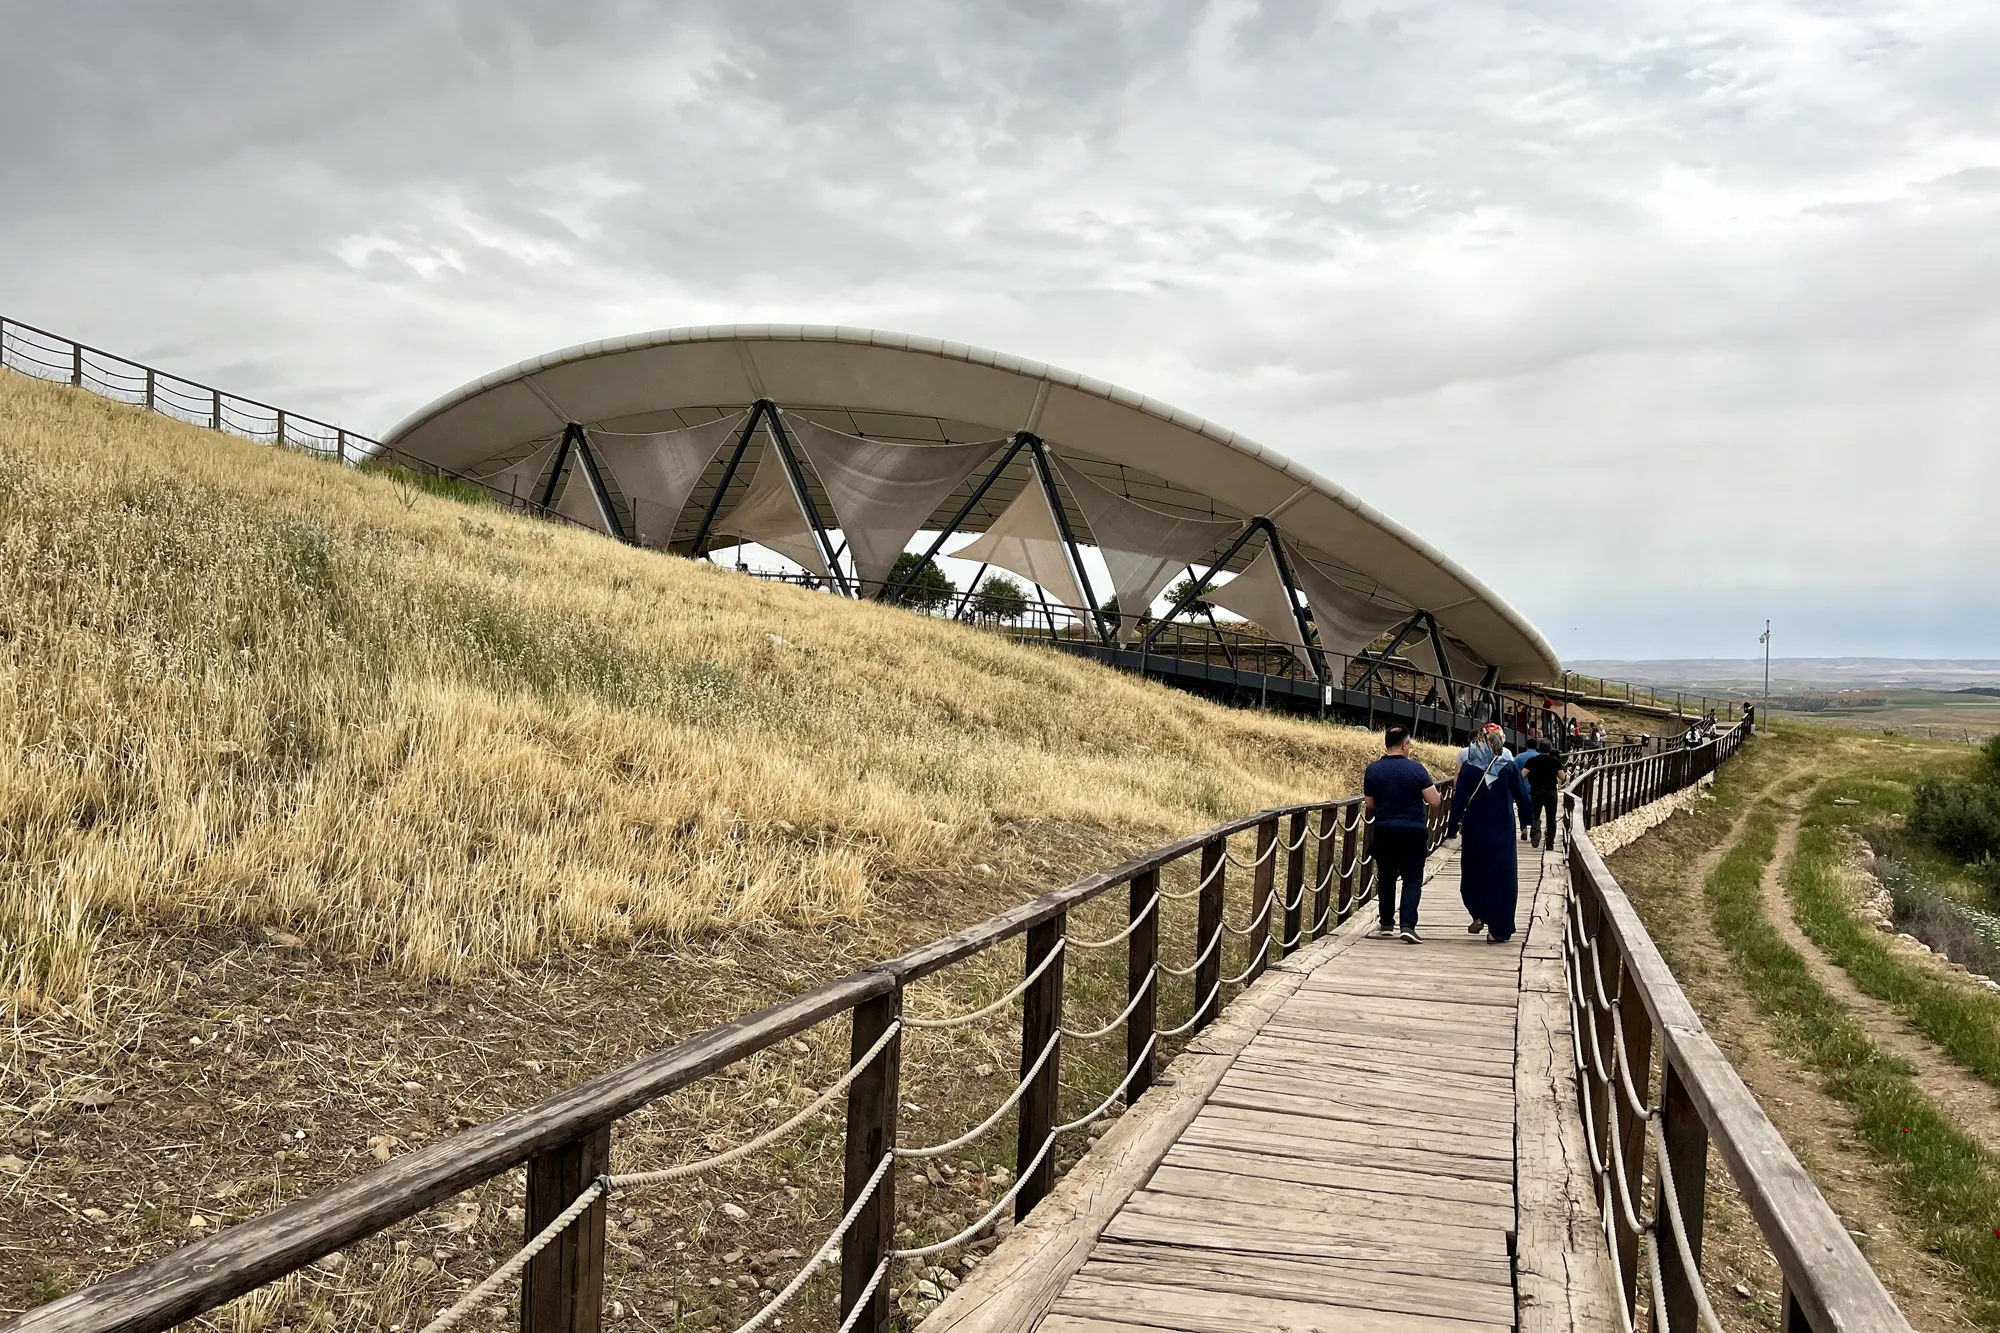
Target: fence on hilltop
1226, 658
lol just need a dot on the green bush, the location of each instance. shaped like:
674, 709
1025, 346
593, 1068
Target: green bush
1959, 817
918, 582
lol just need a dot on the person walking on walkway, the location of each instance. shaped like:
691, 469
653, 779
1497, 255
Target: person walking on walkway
1400, 793
1543, 770
1489, 800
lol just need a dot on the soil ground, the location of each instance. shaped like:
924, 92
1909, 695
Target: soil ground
1663, 873
235, 1073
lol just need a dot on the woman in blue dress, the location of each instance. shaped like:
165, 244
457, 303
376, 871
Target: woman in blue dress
1488, 803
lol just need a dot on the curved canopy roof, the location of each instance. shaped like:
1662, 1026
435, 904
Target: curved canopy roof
902, 389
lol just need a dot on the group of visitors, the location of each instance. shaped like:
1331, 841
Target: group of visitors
1497, 792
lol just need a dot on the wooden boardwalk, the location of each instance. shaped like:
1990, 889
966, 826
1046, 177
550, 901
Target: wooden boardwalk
1346, 1159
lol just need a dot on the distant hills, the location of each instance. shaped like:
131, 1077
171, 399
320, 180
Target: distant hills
1818, 673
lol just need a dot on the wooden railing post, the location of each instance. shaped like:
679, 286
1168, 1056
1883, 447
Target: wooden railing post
76, 364
1638, 1033
1208, 932
1350, 860
1686, 1140
871, 1136
215, 409
1041, 1024
1262, 923
1295, 882
1324, 865
562, 1289
1141, 958
151, 389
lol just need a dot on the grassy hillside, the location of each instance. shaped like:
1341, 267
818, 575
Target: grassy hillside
239, 686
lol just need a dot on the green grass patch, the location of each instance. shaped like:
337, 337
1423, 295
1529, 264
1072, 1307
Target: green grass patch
1947, 1186
1964, 1023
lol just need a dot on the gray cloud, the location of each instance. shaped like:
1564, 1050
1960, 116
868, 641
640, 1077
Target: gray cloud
1707, 291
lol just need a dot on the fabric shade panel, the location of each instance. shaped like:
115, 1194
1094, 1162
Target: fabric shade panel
1025, 540
1258, 594
883, 491
772, 516
1143, 548
578, 501
658, 471
517, 481
1442, 659
1345, 620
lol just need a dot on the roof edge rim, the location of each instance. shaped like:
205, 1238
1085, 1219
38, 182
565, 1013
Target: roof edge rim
943, 349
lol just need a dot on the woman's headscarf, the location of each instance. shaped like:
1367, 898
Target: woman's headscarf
1486, 750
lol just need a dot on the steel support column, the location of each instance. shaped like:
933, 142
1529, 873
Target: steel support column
1019, 443
1047, 476
728, 475
782, 442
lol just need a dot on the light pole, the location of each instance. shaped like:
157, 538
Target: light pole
1766, 641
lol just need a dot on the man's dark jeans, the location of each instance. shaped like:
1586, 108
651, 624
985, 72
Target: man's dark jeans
1398, 853
1544, 812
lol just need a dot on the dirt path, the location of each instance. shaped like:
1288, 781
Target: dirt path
1665, 871
1970, 1101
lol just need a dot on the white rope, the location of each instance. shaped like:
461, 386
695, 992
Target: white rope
1262, 857
1673, 1202
1119, 1021
1137, 921
861, 1301
991, 1120
522, 1258
991, 1213
634, 1179
999, 1004
1206, 1001
1256, 922
821, 1255
1191, 968
1123, 1083
1257, 958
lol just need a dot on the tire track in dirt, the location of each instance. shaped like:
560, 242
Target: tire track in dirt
1971, 1103
1817, 1127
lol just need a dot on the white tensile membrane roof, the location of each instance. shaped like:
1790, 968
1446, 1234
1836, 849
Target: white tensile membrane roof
892, 434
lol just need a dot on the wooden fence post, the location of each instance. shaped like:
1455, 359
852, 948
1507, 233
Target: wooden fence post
1295, 883
1208, 932
1350, 860
1632, 1126
1262, 922
562, 1289
215, 409
1323, 867
1041, 1024
1142, 956
151, 389
1686, 1140
871, 1136
76, 365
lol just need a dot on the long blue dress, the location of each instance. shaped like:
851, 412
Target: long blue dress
1488, 815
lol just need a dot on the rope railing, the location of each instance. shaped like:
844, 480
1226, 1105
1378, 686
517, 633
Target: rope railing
554, 1140
1654, 1093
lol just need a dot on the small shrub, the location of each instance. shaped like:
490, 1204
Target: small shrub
1959, 817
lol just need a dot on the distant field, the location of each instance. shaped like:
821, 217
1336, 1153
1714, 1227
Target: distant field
1932, 714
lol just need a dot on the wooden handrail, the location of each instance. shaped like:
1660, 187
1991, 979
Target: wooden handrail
1828, 1281
206, 1273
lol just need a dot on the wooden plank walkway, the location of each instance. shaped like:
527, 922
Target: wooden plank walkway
1354, 1167
1375, 1137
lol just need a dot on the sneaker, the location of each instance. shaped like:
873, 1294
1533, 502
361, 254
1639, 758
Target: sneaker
1410, 935
1475, 928
1380, 933
1535, 839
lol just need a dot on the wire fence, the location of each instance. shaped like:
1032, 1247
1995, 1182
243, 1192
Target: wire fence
1442, 704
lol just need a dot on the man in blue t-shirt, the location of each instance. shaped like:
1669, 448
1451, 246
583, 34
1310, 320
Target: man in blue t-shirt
1400, 792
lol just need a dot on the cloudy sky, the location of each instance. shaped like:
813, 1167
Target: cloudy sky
1661, 317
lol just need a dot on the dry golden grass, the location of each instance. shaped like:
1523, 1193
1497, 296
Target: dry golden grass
240, 685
